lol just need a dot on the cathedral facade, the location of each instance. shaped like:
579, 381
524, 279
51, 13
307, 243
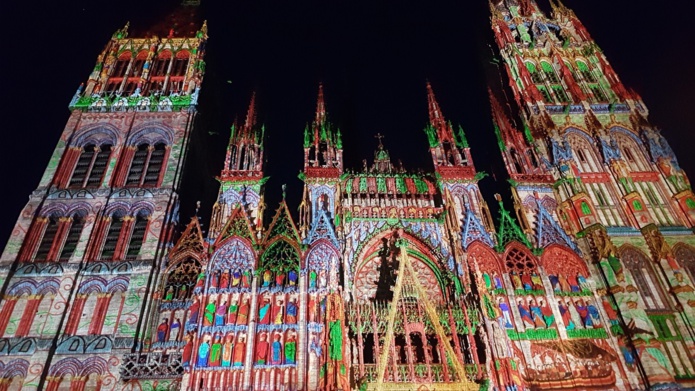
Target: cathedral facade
387, 279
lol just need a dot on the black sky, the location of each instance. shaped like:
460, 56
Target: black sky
372, 56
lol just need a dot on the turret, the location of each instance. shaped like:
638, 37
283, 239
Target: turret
323, 146
449, 149
241, 179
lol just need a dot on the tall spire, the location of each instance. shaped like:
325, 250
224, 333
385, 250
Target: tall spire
436, 116
245, 149
320, 107
322, 143
251, 114
447, 148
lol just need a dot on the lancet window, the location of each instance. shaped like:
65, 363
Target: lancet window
158, 72
178, 72
91, 166
119, 69
585, 156
133, 77
52, 238
123, 235
644, 278
686, 257
146, 165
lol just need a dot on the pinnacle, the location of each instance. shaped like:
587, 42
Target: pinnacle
320, 106
251, 114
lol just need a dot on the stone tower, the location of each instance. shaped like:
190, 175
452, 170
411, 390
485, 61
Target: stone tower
584, 160
76, 270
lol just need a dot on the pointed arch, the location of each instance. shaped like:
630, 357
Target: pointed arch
118, 284
631, 148
320, 254
485, 257
584, 151
234, 253
685, 256
324, 258
518, 258
557, 259
281, 255
644, 276
367, 266
93, 285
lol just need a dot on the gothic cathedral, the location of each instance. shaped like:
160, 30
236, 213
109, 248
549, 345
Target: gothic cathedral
387, 279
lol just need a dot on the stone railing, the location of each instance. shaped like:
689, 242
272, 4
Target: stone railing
155, 365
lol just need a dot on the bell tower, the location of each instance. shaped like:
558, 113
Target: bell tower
94, 234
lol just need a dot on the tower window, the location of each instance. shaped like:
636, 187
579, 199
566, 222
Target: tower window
180, 64
55, 238
535, 75
582, 157
146, 165
121, 66
72, 238
598, 93
560, 94
586, 72
546, 94
90, 167
109, 249
137, 237
49, 236
161, 64
550, 73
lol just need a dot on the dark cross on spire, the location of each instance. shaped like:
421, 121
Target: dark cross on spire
379, 137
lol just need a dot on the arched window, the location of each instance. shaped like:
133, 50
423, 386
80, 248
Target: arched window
644, 278
124, 236
180, 64
584, 153
161, 64
158, 73
535, 75
49, 236
118, 72
686, 257
72, 238
135, 73
52, 238
549, 72
586, 72
146, 166
91, 166
108, 251
137, 236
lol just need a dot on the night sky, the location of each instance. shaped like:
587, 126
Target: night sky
373, 57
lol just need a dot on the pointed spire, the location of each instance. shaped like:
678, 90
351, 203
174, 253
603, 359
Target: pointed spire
190, 241
251, 114
508, 230
436, 116
320, 107
503, 125
283, 225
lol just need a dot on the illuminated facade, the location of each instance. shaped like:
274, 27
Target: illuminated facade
388, 279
